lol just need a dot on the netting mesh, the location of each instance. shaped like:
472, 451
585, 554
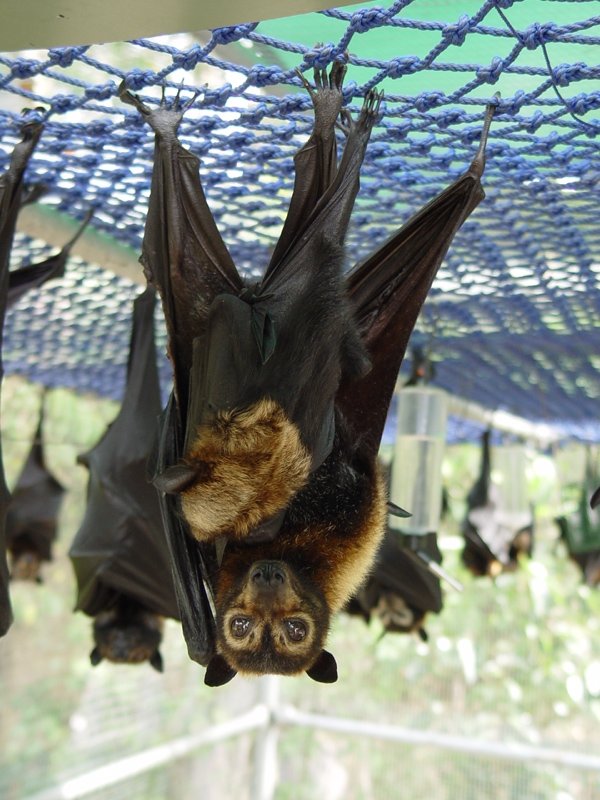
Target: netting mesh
513, 310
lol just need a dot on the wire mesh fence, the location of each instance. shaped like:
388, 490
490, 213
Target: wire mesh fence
515, 662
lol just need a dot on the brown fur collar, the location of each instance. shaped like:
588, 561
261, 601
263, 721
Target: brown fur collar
249, 464
336, 555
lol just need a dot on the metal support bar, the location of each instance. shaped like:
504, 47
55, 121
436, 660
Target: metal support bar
503, 421
267, 718
509, 751
154, 757
265, 775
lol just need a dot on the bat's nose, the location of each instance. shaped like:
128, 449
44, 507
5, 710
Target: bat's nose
267, 573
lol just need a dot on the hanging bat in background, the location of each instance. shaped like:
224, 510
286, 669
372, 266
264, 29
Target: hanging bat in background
11, 197
400, 590
580, 530
31, 521
119, 554
272, 500
32, 276
490, 546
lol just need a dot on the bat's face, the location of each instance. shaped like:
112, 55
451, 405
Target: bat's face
127, 641
270, 620
26, 566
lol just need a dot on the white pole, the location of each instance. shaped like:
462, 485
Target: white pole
132, 766
265, 776
510, 751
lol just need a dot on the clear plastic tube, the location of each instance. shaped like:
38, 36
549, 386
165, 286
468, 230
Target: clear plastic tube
416, 483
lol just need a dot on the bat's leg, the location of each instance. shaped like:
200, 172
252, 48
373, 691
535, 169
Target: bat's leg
478, 164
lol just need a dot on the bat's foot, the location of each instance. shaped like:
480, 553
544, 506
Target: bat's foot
326, 95
165, 119
478, 164
369, 115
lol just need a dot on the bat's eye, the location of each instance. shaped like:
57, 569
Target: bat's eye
239, 626
296, 629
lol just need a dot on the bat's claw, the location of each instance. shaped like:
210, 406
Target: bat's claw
132, 99
326, 95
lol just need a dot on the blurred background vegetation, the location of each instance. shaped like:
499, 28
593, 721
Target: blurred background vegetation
516, 661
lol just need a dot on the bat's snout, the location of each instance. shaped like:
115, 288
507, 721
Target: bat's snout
268, 575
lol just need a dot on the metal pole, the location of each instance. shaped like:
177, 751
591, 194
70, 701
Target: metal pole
265, 776
510, 751
132, 766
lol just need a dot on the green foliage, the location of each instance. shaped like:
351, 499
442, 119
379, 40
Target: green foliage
513, 661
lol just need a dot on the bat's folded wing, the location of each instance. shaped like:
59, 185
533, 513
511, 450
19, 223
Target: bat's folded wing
388, 291
11, 186
191, 564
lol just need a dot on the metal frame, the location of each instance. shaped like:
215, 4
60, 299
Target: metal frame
268, 718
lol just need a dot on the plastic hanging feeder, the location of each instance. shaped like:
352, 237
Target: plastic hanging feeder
510, 485
416, 483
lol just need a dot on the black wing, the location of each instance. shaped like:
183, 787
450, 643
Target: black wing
120, 548
11, 189
389, 288
32, 519
34, 275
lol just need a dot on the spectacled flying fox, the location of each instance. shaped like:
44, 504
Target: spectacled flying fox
266, 463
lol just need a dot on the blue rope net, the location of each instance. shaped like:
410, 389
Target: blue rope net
512, 315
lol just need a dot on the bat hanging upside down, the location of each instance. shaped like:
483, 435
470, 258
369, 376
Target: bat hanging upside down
273, 503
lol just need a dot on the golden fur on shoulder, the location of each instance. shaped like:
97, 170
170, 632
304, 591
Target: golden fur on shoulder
249, 463
348, 559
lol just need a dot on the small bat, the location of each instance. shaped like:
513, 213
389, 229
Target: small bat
119, 554
11, 197
580, 530
31, 522
399, 590
273, 503
490, 547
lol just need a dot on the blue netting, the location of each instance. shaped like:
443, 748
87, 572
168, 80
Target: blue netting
514, 310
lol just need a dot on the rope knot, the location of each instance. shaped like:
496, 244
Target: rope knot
362, 21
262, 75
189, 59
24, 67
537, 35
457, 33
101, 91
428, 100
64, 56
403, 65
492, 73
137, 79
64, 102
232, 33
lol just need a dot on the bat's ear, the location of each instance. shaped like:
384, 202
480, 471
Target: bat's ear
218, 672
156, 661
175, 479
324, 670
95, 657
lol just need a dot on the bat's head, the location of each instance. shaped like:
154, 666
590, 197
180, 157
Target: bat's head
26, 566
271, 620
127, 639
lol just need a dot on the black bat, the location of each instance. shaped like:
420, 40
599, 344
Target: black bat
400, 590
32, 518
11, 197
119, 554
580, 530
267, 453
490, 547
